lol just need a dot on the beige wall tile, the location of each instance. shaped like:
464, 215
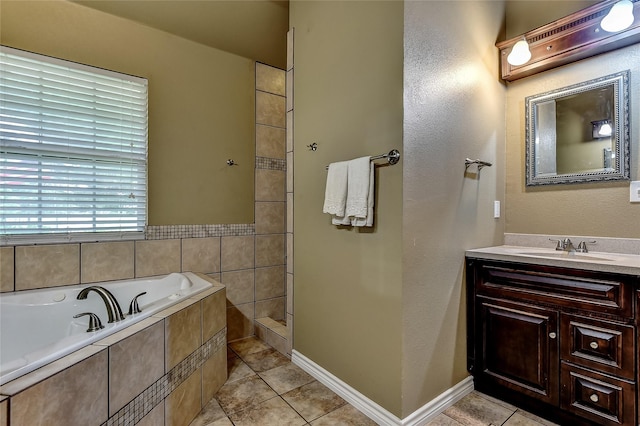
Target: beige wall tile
278, 342
185, 402
272, 308
270, 282
237, 253
154, 418
47, 266
214, 314
289, 90
135, 363
270, 185
157, 257
270, 141
201, 255
289, 143
270, 250
183, 334
106, 261
75, 397
270, 217
290, 38
290, 253
240, 286
240, 321
6, 269
270, 109
289, 212
289, 293
290, 326
214, 374
270, 79
289, 178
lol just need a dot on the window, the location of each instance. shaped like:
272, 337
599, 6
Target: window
73, 151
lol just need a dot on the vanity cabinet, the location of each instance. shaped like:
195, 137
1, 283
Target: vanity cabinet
560, 342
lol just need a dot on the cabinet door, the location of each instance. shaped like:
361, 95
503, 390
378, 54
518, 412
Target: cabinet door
519, 348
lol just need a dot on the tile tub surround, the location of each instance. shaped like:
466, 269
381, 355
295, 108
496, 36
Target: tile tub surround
123, 378
231, 255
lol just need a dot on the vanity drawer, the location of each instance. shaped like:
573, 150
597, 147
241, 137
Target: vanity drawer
600, 398
602, 345
599, 292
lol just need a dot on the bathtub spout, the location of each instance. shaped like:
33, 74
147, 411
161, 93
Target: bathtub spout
113, 308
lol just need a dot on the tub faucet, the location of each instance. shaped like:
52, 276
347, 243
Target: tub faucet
113, 309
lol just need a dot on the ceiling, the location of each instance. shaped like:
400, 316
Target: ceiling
253, 29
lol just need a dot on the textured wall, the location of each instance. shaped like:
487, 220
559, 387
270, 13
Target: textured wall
599, 209
201, 104
454, 108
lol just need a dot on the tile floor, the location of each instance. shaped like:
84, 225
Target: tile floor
264, 388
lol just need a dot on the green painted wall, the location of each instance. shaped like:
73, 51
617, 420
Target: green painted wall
201, 104
348, 63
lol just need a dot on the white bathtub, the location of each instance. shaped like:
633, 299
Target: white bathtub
37, 326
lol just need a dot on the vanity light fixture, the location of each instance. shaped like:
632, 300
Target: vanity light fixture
520, 53
569, 39
620, 17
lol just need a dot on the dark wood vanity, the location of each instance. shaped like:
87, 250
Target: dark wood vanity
560, 342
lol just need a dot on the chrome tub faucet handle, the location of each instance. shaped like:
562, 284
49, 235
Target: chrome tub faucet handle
94, 321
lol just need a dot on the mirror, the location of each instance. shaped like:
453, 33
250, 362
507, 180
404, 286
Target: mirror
579, 133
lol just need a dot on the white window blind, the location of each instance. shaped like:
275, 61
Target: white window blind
73, 151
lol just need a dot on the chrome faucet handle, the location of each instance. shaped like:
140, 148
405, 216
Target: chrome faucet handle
94, 321
134, 308
559, 245
567, 245
582, 247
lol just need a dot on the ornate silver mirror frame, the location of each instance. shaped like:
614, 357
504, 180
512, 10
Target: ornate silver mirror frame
546, 129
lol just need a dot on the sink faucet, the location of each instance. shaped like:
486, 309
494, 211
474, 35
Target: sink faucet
113, 309
565, 245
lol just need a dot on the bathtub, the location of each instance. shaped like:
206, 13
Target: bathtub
37, 326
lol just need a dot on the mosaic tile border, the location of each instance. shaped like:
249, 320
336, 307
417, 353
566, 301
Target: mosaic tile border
163, 232
271, 163
149, 398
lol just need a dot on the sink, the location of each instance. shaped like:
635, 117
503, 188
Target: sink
568, 256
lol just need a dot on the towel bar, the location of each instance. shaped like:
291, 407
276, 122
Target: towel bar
392, 157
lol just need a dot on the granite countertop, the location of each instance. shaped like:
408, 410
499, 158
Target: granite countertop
593, 261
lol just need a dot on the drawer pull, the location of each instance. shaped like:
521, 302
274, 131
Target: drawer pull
594, 345
552, 335
594, 397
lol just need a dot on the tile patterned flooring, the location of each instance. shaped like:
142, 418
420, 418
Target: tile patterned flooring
264, 388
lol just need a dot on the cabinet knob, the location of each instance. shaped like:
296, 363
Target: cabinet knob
552, 335
594, 397
594, 345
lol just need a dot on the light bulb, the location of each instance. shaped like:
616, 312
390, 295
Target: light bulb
619, 17
605, 130
520, 53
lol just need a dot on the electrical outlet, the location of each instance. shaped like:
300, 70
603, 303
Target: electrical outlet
496, 209
634, 191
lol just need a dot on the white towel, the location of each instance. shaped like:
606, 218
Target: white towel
335, 194
359, 194
368, 219
358, 187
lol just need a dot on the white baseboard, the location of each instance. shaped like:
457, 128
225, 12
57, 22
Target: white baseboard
375, 412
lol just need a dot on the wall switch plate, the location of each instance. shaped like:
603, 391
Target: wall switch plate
496, 209
634, 191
